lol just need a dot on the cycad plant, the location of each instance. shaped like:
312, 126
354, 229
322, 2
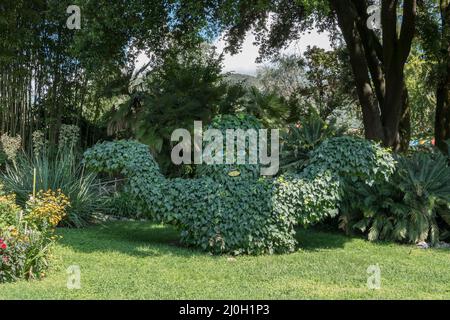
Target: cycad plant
370, 209
269, 107
300, 139
424, 180
409, 207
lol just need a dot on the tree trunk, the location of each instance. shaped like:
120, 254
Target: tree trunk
347, 19
396, 49
379, 68
442, 123
405, 122
393, 107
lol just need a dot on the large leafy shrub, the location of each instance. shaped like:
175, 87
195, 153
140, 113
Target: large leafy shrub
240, 214
222, 216
307, 199
235, 217
352, 159
220, 172
245, 213
134, 161
317, 191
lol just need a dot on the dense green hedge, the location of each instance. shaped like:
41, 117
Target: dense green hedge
234, 217
220, 172
244, 214
316, 193
353, 159
308, 200
134, 161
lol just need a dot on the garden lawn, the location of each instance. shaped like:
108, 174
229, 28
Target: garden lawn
140, 260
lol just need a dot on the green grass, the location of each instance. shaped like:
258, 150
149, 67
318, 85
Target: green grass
139, 260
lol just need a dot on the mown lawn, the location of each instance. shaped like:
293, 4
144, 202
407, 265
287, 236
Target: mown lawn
139, 260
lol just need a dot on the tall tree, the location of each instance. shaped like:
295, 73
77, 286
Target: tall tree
50, 74
378, 64
442, 125
434, 42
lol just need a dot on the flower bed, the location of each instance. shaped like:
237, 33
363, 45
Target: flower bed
27, 236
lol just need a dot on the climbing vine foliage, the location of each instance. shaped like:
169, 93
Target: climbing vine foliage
239, 215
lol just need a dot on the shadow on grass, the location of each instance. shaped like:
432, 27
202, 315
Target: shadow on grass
147, 239
313, 239
144, 239
327, 237
140, 239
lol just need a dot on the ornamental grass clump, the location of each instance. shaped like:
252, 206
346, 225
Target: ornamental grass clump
56, 168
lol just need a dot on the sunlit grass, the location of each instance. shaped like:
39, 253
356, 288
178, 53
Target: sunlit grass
138, 260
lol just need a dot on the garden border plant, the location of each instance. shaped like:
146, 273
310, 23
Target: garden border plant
27, 235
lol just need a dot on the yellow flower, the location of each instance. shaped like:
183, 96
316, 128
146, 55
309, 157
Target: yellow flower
48, 207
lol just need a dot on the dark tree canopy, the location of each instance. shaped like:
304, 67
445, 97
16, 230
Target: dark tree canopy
378, 64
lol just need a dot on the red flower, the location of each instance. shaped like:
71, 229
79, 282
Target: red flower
3, 246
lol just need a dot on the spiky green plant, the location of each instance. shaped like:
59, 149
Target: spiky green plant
62, 170
425, 181
300, 139
407, 208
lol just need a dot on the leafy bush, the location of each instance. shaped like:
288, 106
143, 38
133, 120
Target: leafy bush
237, 217
27, 237
244, 214
272, 110
366, 205
134, 161
352, 159
308, 199
299, 140
233, 217
220, 172
316, 192
62, 171
407, 208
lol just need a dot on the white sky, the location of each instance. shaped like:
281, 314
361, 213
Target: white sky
244, 62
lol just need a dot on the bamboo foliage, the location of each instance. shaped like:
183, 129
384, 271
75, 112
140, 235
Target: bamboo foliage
51, 75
